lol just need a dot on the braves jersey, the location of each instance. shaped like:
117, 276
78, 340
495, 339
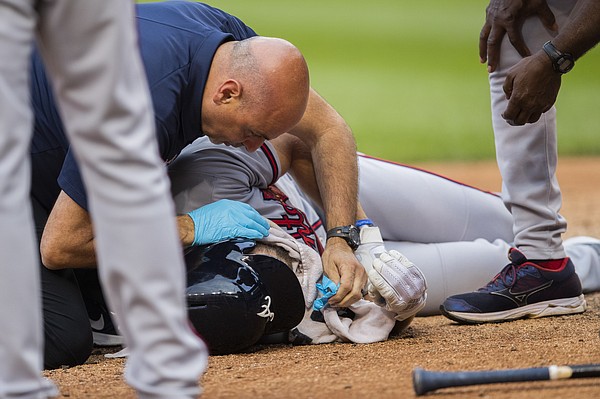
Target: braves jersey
178, 40
206, 172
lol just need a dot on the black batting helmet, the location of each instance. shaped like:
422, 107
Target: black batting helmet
235, 297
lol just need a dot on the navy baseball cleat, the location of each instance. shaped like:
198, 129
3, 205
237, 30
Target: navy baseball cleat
523, 289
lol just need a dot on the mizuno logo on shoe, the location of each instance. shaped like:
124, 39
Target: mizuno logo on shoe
520, 298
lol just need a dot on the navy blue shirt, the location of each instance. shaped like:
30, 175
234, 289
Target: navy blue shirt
178, 40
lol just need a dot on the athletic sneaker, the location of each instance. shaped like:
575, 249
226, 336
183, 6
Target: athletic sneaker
103, 329
523, 289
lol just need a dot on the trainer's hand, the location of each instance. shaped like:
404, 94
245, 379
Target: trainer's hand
397, 284
507, 17
341, 266
226, 219
531, 87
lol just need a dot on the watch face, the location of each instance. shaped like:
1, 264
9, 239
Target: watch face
354, 236
349, 233
561, 62
564, 64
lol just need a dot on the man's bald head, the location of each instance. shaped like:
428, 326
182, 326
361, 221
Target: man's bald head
268, 78
275, 70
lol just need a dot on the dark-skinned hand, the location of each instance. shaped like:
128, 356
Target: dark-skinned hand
531, 87
506, 17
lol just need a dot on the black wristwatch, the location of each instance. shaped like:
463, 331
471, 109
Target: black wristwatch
349, 233
561, 62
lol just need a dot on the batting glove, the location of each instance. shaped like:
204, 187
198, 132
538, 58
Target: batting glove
226, 219
371, 246
398, 285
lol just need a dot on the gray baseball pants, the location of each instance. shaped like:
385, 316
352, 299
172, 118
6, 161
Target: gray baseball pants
528, 155
90, 50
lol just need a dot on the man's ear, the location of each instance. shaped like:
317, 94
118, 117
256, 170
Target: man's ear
229, 90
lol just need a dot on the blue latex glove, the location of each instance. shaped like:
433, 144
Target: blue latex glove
226, 219
328, 289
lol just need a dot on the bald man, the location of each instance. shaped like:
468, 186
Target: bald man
209, 75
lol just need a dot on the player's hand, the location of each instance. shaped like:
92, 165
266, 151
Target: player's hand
371, 246
341, 266
531, 87
226, 219
398, 285
507, 17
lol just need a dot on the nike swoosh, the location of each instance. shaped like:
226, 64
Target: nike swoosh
520, 298
98, 325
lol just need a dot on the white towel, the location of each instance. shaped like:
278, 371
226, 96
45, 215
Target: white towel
366, 323
306, 261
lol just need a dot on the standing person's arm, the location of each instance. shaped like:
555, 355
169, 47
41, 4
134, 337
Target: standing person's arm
582, 32
333, 152
533, 84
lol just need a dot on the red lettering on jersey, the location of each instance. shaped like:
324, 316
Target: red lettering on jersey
293, 220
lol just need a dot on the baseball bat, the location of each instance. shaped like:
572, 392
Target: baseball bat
425, 381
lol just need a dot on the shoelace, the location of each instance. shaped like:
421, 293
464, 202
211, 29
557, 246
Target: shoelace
507, 276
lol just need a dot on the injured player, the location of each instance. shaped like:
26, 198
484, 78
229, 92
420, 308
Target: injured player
454, 233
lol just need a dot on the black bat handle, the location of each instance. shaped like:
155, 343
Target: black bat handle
586, 370
425, 381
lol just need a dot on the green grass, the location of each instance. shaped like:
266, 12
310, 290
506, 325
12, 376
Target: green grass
406, 75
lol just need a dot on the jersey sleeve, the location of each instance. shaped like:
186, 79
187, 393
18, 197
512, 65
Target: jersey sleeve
70, 181
206, 172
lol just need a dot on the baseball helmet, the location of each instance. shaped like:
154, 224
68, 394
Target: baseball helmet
234, 297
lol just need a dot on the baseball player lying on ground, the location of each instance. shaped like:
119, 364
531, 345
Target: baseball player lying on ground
453, 232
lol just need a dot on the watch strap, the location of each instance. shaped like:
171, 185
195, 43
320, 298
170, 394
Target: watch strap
339, 231
345, 233
561, 62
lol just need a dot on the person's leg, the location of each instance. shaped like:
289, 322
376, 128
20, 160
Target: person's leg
63, 306
527, 155
585, 253
539, 279
67, 331
91, 53
21, 339
104, 330
409, 204
68, 335
454, 267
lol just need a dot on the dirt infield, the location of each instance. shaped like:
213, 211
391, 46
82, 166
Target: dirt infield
383, 370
